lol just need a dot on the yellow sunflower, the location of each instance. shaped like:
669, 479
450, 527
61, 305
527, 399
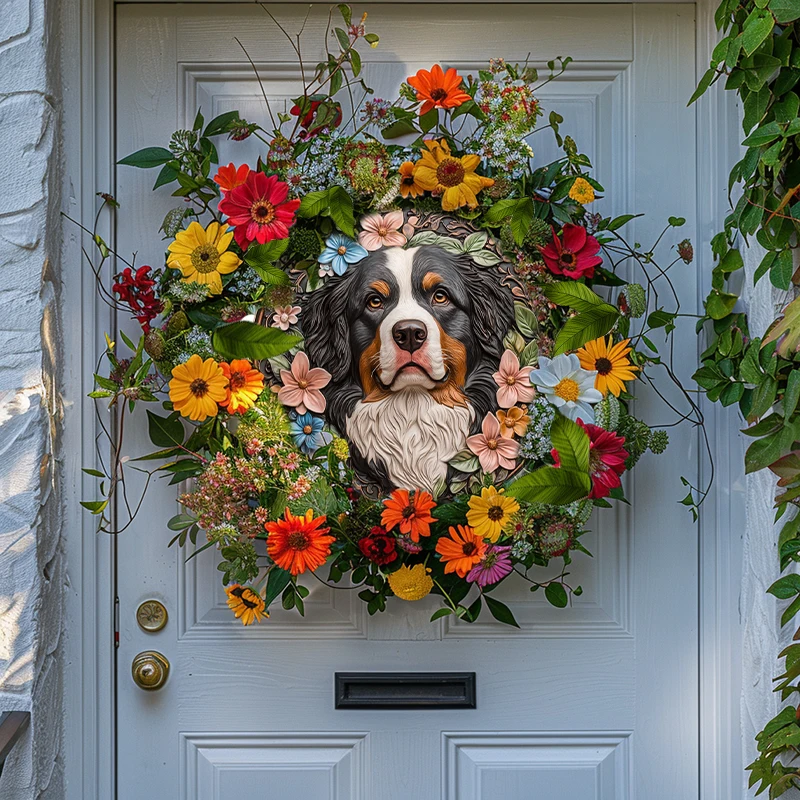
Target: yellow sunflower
582, 191
202, 255
611, 362
491, 513
452, 177
196, 388
411, 583
246, 604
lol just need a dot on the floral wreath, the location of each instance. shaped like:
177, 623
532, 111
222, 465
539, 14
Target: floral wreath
272, 485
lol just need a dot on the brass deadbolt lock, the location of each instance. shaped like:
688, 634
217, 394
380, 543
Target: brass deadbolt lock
151, 616
150, 670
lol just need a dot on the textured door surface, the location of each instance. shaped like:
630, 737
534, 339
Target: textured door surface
594, 702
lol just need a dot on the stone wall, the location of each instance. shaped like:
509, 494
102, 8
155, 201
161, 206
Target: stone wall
31, 564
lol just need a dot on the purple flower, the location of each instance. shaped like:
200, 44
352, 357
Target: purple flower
493, 567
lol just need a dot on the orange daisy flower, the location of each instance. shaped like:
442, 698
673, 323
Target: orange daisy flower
230, 177
297, 544
513, 421
438, 89
411, 511
408, 180
245, 384
461, 551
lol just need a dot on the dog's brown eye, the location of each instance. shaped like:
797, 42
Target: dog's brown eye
374, 301
440, 296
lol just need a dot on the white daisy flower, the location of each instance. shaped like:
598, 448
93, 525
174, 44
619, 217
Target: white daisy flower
570, 388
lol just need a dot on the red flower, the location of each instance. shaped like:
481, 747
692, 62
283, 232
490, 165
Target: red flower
606, 459
230, 177
259, 210
379, 547
137, 292
307, 120
574, 255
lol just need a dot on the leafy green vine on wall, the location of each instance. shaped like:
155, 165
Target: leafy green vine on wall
759, 58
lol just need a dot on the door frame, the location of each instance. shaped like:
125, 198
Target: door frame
88, 81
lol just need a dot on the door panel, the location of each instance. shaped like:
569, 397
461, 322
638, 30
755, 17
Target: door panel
594, 701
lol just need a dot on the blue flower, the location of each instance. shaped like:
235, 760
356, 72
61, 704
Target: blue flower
341, 251
307, 432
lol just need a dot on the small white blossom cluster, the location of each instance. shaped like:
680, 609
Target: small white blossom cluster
197, 341
187, 292
536, 443
245, 281
320, 166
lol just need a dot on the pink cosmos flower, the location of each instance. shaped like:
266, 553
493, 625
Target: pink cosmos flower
493, 450
301, 386
285, 316
493, 567
514, 382
381, 230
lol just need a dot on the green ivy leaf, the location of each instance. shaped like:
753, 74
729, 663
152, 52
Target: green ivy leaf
147, 158
277, 581
785, 331
340, 207
785, 10
757, 27
248, 340
221, 124
556, 595
500, 611
165, 431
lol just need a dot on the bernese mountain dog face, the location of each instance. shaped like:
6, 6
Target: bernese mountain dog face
411, 339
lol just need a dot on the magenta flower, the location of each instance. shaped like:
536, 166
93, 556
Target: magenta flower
301, 386
491, 447
381, 230
514, 382
493, 567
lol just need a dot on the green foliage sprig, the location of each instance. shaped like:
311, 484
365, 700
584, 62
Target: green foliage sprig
759, 58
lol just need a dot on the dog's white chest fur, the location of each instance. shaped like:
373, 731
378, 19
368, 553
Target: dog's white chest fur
412, 434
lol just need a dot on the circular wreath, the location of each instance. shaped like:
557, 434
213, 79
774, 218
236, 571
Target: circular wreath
503, 417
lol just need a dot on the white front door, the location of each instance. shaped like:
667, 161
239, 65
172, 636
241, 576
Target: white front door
594, 702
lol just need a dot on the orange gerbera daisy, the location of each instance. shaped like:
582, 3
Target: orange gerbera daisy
297, 544
245, 384
230, 177
408, 180
411, 511
461, 551
438, 89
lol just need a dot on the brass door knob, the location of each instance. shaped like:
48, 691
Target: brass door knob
150, 670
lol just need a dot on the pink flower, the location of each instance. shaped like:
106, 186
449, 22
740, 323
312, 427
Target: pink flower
493, 567
607, 456
381, 230
514, 382
410, 227
301, 386
492, 449
285, 316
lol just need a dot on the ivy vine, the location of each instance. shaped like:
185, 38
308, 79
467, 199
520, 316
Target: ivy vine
759, 58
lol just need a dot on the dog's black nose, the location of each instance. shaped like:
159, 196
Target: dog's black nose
409, 334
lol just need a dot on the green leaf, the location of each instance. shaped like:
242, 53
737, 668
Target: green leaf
167, 175
500, 211
705, 82
521, 219
757, 27
400, 128
785, 587
527, 324
147, 158
277, 581
221, 124
248, 340
95, 506
95, 473
780, 273
720, 304
792, 394
618, 222
441, 612
573, 295
313, 204
165, 431
585, 327
500, 611
272, 275
785, 10
554, 485
340, 207
764, 135
556, 595
571, 442
261, 255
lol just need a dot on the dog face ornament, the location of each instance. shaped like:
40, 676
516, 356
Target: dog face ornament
411, 338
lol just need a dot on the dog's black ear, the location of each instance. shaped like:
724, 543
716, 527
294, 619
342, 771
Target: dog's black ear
492, 305
325, 328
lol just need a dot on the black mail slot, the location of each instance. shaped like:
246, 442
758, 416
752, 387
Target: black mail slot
409, 690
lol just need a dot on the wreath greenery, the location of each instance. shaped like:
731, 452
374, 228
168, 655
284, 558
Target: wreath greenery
446, 164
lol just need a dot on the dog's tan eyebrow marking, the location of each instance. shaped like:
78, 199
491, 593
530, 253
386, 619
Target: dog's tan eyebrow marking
381, 287
430, 280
